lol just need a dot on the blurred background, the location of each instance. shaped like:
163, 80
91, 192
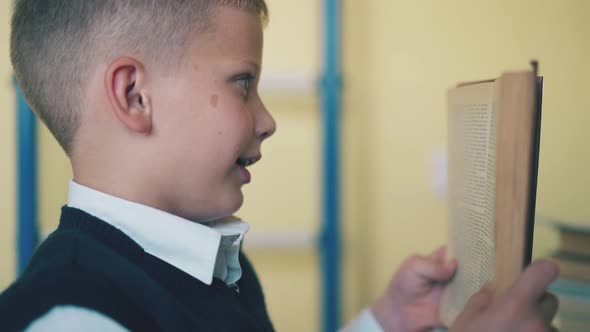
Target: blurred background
398, 59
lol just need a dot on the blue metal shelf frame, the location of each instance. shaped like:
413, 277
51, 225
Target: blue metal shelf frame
330, 246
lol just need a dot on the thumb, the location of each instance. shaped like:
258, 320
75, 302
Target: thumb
535, 279
476, 304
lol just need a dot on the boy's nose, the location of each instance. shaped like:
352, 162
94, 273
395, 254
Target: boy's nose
266, 125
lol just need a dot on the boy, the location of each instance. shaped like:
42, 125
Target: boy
155, 104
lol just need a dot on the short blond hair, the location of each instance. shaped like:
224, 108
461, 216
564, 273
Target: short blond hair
55, 43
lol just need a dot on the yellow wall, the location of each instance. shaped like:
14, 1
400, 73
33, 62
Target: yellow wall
7, 150
399, 58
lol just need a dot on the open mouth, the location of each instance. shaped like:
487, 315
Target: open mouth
247, 161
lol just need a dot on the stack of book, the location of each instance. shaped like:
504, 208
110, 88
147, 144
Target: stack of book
573, 255
573, 287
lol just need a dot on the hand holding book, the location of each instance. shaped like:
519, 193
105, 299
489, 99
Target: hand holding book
494, 131
412, 299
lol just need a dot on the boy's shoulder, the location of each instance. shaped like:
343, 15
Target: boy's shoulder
69, 268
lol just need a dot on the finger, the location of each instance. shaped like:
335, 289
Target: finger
477, 303
548, 306
439, 254
534, 281
452, 267
432, 270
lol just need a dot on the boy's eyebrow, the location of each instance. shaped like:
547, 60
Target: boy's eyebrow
253, 64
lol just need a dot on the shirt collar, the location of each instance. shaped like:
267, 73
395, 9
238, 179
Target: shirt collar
203, 251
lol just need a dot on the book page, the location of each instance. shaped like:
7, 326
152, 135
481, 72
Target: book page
472, 181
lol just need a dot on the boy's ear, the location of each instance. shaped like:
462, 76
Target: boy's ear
126, 89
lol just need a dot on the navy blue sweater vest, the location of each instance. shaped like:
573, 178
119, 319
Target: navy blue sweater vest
87, 262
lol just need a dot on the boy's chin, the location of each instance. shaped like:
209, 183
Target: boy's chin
227, 210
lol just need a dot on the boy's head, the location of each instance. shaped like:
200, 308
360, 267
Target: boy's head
153, 100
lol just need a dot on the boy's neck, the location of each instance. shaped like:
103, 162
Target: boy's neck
111, 178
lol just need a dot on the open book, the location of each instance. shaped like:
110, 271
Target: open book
494, 129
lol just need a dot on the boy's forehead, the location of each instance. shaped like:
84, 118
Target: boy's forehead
234, 33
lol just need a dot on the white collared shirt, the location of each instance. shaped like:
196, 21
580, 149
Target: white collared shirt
202, 250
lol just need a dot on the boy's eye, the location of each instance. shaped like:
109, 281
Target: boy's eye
244, 82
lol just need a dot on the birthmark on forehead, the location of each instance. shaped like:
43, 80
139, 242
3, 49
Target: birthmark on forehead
214, 100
